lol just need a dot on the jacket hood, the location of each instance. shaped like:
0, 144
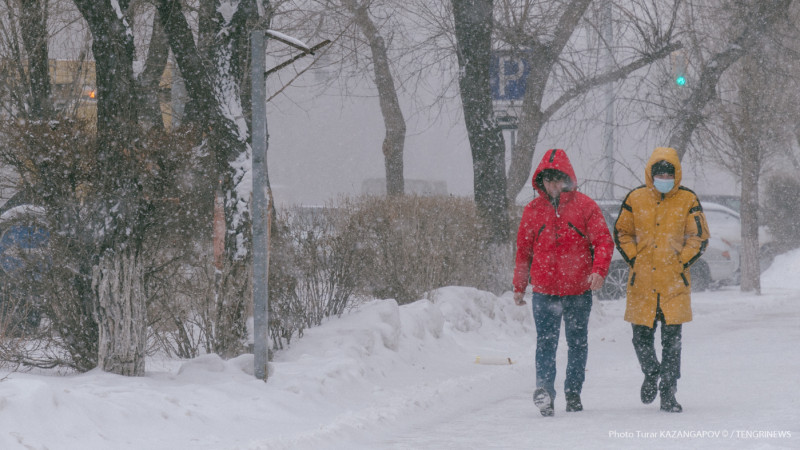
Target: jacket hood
663, 154
554, 159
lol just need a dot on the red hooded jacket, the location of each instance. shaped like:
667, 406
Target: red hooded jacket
559, 246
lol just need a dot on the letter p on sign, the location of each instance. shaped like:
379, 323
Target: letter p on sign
509, 73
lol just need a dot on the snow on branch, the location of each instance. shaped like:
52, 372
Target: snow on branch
288, 40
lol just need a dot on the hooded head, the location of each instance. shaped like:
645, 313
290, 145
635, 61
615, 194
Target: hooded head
663, 168
554, 163
664, 160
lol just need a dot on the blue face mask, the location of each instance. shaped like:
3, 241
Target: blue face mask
663, 186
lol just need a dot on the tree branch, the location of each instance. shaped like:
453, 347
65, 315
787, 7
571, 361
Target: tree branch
690, 115
615, 75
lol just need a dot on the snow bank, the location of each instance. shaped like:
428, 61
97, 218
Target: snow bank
784, 271
358, 347
389, 376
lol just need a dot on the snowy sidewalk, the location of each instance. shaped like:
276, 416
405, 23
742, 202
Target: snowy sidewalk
405, 378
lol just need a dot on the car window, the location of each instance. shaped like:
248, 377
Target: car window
723, 224
720, 217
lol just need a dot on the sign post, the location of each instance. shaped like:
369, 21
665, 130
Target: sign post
508, 73
260, 205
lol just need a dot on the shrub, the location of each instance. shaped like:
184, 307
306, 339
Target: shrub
416, 244
322, 259
315, 263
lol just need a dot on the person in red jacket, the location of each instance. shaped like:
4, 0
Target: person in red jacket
563, 250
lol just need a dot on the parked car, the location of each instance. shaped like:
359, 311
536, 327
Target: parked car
23, 240
731, 201
22, 237
726, 224
718, 266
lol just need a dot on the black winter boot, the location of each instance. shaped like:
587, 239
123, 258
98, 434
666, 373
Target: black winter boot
542, 399
649, 389
668, 402
573, 402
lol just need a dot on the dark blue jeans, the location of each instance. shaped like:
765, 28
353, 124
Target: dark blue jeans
547, 313
669, 368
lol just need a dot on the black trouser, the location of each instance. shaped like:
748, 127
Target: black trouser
643, 342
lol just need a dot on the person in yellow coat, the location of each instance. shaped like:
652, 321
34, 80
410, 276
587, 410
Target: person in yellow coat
660, 232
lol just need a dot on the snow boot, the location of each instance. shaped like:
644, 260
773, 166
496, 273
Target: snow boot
542, 400
668, 402
649, 389
573, 402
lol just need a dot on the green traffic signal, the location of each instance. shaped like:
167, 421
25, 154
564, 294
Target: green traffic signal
680, 80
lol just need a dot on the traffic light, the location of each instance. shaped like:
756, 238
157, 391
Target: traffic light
678, 62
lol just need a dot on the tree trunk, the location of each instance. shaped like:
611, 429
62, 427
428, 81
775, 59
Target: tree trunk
33, 25
211, 89
201, 108
751, 262
751, 131
393, 120
113, 50
531, 121
473, 27
118, 229
206, 87
121, 313
149, 81
791, 153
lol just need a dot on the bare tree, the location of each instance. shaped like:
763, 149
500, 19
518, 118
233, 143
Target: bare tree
748, 128
753, 20
559, 71
34, 36
28, 157
107, 203
473, 30
394, 122
745, 149
368, 47
150, 94
117, 271
24, 37
214, 78
722, 102
564, 68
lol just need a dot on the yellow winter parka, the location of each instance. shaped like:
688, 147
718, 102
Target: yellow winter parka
660, 236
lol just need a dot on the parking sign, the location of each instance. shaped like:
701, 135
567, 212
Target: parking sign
509, 72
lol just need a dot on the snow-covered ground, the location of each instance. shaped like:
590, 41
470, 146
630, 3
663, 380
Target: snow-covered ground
406, 378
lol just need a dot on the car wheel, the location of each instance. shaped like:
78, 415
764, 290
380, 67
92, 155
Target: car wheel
616, 282
701, 276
